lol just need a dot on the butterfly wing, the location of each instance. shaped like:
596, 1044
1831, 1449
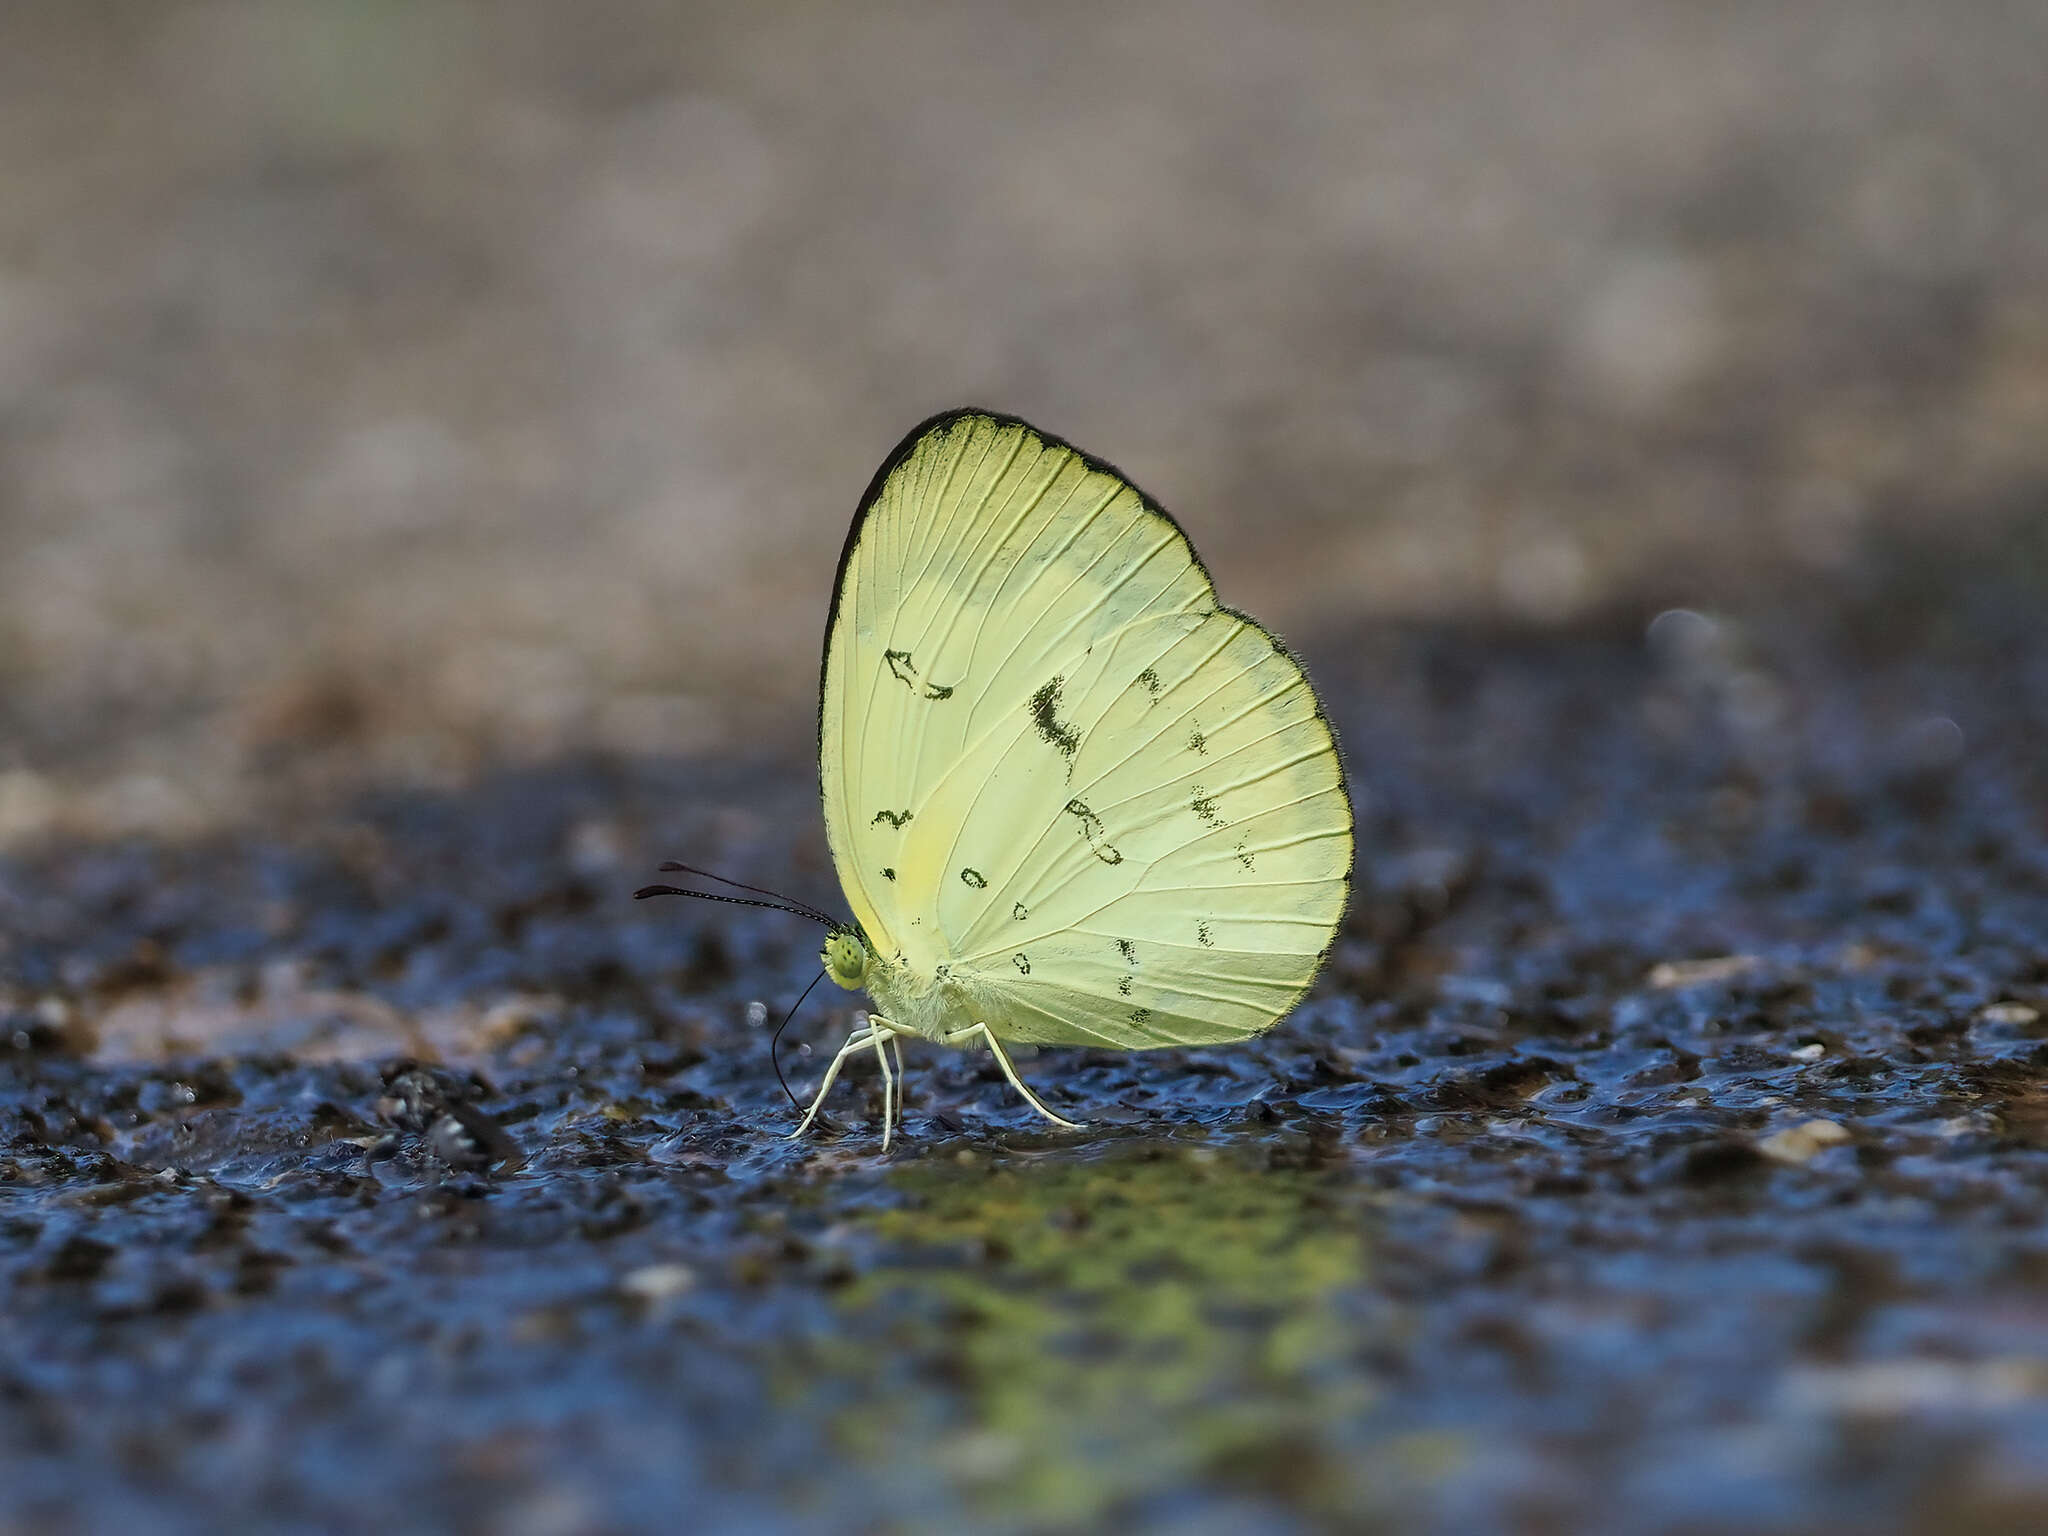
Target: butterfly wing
1054, 765
983, 551
1179, 881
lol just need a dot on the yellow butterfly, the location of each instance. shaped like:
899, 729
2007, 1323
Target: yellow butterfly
1073, 800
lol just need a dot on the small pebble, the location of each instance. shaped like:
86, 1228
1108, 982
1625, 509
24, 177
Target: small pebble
1883, 1388
1667, 975
1812, 1052
1798, 1143
2010, 1013
658, 1282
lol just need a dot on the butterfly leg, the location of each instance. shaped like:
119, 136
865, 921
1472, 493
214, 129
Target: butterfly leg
854, 1042
1003, 1060
882, 1036
902, 1077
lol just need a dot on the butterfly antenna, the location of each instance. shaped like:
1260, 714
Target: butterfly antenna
776, 1039
789, 903
646, 891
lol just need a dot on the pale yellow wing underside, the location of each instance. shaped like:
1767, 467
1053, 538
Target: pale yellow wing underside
1055, 770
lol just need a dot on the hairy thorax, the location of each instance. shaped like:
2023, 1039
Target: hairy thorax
924, 1004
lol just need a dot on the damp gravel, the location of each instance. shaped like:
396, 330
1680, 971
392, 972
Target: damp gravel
1663, 1149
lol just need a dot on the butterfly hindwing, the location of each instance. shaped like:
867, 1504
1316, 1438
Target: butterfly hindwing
1182, 882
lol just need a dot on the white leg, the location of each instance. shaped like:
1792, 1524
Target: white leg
902, 1077
961, 1037
854, 1042
879, 1036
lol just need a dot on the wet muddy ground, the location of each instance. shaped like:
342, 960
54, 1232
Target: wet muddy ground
1666, 1148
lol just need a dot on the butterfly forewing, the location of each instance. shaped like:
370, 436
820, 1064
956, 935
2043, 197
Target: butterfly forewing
1054, 765
983, 550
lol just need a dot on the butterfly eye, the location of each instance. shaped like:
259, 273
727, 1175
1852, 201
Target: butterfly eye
846, 959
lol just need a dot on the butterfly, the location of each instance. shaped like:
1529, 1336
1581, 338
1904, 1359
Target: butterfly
1071, 797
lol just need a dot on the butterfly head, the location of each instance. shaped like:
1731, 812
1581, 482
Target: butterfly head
846, 958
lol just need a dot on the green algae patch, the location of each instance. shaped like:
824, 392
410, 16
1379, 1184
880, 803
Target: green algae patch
1104, 1333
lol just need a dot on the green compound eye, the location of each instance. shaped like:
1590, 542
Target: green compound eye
846, 960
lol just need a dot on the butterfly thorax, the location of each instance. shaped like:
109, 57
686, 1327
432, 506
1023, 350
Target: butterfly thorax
923, 1003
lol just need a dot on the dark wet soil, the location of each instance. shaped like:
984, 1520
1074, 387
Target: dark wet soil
1663, 1151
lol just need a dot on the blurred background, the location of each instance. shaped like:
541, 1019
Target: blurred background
427, 434
391, 388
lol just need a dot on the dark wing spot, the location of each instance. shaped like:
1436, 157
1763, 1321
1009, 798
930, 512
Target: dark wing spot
1198, 743
1091, 828
888, 874
942, 972
1202, 935
1128, 950
1123, 985
1062, 737
1204, 808
1021, 962
1149, 680
973, 877
1243, 855
1019, 911
1140, 1015
904, 670
894, 818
